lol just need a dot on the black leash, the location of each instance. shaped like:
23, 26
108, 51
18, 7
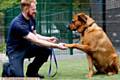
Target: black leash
50, 68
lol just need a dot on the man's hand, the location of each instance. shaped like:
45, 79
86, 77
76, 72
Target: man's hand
61, 46
52, 39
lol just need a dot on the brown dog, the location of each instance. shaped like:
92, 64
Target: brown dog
100, 51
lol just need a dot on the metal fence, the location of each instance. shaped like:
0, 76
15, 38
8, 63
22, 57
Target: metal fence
54, 15
52, 19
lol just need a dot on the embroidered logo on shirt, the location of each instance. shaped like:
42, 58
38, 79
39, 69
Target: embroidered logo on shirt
32, 28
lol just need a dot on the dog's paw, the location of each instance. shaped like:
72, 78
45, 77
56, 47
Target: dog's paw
111, 73
90, 74
68, 45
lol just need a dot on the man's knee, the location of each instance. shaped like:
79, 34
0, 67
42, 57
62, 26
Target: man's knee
46, 54
9, 71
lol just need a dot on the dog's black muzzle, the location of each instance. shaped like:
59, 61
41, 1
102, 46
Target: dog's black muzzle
68, 27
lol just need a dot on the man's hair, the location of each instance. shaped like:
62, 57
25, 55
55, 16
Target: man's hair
25, 4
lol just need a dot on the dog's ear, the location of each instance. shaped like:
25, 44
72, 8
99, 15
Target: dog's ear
82, 17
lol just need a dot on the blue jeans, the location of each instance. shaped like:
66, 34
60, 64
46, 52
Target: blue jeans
16, 60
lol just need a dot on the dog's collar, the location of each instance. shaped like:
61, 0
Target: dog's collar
87, 27
91, 23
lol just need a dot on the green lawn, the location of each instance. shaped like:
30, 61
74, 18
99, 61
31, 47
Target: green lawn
72, 69
75, 69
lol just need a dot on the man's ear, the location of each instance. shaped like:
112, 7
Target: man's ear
82, 17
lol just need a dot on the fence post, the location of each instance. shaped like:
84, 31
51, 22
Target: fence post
70, 35
104, 14
38, 21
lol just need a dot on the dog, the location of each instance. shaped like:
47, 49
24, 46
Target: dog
95, 43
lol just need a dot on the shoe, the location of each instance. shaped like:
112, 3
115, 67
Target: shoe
35, 75
5, 70
40, 76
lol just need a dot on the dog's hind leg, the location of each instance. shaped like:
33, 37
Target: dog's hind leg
114, 66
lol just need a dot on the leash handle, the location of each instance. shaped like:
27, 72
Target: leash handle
55, 60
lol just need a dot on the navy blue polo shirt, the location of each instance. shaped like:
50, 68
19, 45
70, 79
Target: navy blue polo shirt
19, 28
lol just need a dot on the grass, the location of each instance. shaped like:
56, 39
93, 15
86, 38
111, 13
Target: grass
2, 47
72, 69
75, 69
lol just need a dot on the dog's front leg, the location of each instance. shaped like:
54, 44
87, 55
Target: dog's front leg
85, 48
90, 63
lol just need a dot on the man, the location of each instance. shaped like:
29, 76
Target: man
23, 42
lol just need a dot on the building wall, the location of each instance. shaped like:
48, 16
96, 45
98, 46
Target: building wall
113, 21
113, 25
111, 4
112, 16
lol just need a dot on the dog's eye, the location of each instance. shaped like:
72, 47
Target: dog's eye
73, 22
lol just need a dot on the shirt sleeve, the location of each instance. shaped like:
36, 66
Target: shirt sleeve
21, 30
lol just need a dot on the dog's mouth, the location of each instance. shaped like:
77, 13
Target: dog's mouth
74, 29
77, 27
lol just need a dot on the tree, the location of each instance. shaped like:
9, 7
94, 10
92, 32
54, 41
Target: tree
4, 4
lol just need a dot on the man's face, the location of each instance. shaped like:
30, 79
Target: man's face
32, 10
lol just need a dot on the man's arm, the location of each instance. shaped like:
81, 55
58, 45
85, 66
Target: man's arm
42, 37
50, 39
40, 42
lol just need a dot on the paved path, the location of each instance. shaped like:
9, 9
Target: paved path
60, 55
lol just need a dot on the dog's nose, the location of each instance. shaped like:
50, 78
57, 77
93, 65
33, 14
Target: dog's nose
67, 26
